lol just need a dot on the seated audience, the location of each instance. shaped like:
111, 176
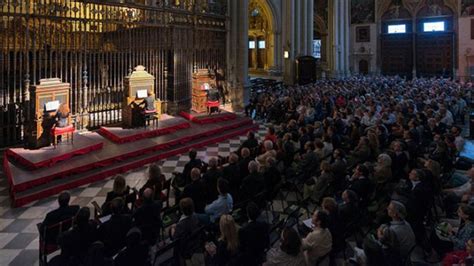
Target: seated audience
459, 257
62, 213
269, 152
318, 243
120, 190
135, 252
74, 243
194, 162
231, 173
251, 184
384, 250
222, 205
349, 212
154, 182
226, 251
250, 143
289, 252
210, 178
148, 217
113, 232
188, 222
361, 184
400, 227
271, 179
97, 255
196, 190
244, 161
254, 237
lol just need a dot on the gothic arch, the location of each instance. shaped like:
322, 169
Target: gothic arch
263, 25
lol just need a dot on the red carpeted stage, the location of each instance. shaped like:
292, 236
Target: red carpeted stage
35, 174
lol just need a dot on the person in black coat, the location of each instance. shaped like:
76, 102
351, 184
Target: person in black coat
244, 162
187, 224
64, 212
420, 200
196, 190
113, 232
399, 161
361, 184
254, 238
349, 212
75, 243
251, 184
231, 173
210, 178
193, 163
147, 218
250, 143
136, 252
271, 179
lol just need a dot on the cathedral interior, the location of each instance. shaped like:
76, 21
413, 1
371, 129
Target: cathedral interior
392, 72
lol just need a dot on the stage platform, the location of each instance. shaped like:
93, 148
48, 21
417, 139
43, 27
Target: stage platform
29, 185
204, 118
49, 156
167, 124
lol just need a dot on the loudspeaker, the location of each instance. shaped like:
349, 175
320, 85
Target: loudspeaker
305, 70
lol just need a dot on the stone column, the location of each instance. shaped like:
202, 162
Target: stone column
340, 38
237, 53
288, 36
310, 26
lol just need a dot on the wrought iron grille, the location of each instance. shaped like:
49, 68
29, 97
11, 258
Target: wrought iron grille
94, 44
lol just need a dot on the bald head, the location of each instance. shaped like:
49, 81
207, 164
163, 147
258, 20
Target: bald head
148, 194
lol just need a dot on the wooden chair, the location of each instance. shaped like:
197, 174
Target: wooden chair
48, 236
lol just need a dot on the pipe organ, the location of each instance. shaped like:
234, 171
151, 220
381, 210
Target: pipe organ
94, 44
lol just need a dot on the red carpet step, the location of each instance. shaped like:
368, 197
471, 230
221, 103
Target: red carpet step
204, 118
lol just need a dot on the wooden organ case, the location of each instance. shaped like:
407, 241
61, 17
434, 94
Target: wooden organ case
139, 80
202, 82
46, 98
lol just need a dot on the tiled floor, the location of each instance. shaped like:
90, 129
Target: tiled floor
18, 233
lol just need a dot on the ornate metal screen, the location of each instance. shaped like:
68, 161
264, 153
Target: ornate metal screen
94, 44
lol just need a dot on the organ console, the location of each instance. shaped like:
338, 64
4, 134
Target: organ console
46, 97
137, 85
202, 83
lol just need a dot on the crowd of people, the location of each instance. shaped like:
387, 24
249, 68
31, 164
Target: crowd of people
377, 158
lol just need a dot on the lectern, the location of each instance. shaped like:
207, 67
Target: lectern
45, 100
202, 82
137, 85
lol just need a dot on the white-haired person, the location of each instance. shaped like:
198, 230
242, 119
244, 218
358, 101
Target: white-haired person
269, 152
402, 229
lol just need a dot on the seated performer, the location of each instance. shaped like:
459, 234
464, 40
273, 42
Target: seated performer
212, 96
62, 118
149, 108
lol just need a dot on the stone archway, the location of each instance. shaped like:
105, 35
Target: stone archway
261, 34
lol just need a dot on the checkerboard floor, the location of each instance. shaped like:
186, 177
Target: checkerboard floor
18, 234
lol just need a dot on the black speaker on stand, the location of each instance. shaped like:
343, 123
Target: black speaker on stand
305, 70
